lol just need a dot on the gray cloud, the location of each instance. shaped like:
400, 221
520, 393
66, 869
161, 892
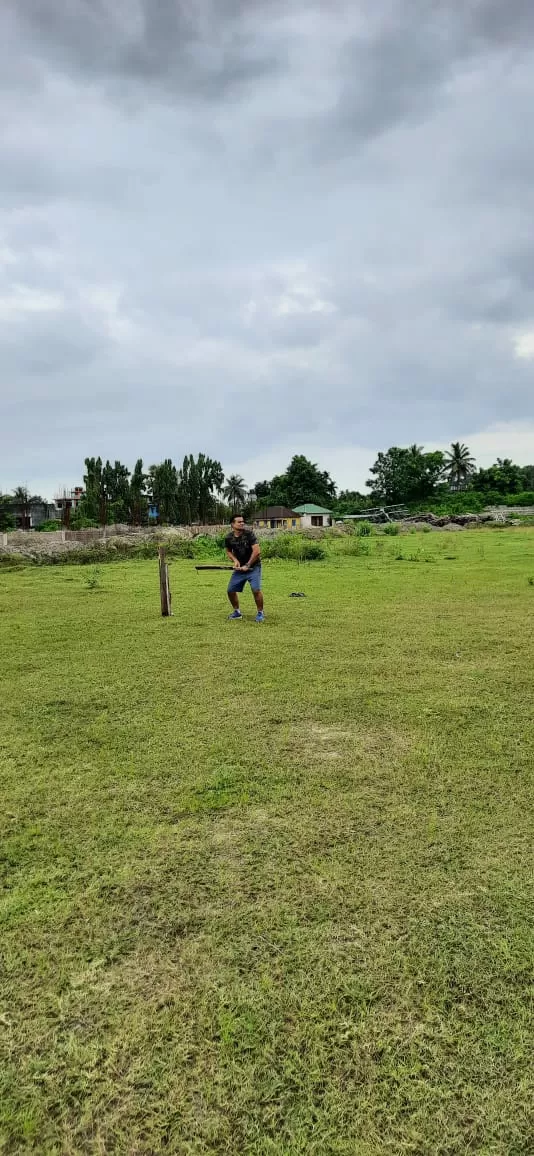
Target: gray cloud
204, 49
307, 220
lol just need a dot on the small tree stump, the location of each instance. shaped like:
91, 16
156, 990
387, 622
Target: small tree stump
164, 589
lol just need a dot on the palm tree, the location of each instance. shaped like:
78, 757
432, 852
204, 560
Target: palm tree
235, 491
21, 498
459, 465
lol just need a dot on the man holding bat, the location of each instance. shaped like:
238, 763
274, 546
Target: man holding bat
243, 550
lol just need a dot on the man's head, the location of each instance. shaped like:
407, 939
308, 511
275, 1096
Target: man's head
238, 523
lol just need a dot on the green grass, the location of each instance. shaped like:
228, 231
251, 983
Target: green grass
268, 890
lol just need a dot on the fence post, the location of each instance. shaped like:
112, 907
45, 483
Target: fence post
164, 589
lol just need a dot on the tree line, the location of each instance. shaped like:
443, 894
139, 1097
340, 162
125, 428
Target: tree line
197, 491
193, 492
400, 476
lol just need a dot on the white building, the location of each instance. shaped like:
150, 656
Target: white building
312, 515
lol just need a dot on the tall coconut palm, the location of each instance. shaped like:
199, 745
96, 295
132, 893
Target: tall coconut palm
22, 500
235, 491
459, 465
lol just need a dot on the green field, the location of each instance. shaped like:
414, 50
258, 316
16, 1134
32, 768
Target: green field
268, 890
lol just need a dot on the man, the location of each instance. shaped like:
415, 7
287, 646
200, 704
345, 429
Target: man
243, 550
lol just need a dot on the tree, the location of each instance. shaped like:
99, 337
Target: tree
459, 465
93, 501
199, 483
7, 520
163, 481
302, 482
305, 482
351, 502
117, 492
107, 492
235, 492
503, 477
21, 498
262, 490
527, 477
137, 494
210, 480
405, 475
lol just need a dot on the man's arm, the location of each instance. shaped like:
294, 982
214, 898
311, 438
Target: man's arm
254, 557
236, 562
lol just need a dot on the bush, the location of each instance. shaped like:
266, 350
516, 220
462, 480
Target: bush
470, 502
392, 528
13, 561
526, 498
364, 529
293, 548
92, 580
50, 527
354, 547
206, 546
220, 539
80, 522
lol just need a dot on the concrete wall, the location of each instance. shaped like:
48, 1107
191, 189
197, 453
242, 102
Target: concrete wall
307, 524
28, 541
61, 541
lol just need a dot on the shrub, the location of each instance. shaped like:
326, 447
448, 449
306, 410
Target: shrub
50, 527
364, 529
13, 561
206, 546
92, 580
526, 498
355, 547
80, 522
293, 548
392, 528
220, 539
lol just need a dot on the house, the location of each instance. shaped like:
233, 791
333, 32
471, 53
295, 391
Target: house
276, 518
31, 514
312, 515
67, 501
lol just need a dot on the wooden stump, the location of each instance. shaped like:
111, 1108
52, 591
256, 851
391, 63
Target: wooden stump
164, 589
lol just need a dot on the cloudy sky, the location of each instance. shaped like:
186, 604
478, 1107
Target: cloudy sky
255, 228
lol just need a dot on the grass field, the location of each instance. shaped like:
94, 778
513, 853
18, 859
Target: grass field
268, 890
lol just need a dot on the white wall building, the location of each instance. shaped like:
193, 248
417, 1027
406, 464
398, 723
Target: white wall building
312, 515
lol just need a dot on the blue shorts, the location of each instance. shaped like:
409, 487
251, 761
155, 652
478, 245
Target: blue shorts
238, 580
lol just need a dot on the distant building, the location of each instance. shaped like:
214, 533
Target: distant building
67, 501
277, 518
31, 514
312, 515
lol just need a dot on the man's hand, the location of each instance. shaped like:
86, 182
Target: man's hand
244, 569
237, 565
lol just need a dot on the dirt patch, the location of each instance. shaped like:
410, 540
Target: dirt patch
318, 743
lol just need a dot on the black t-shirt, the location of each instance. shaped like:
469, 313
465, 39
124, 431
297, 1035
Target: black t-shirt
241, 546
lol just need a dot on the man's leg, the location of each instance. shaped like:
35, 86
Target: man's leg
235, 587
255, 586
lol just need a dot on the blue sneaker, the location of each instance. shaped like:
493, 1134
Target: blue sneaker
236, 614
260, 617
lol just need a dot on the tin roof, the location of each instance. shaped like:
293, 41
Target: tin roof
310, 508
